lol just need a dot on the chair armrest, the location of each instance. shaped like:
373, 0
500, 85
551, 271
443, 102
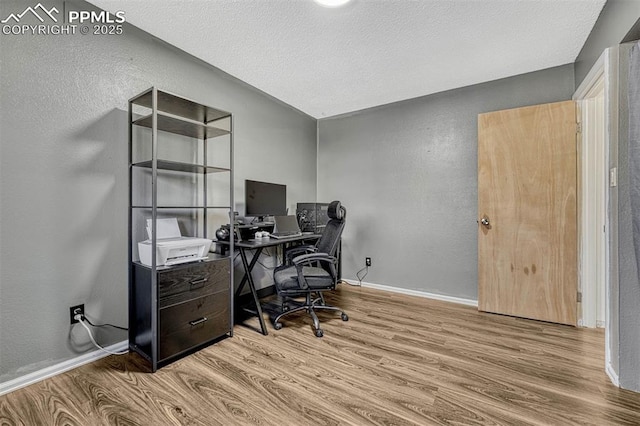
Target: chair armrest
313, 257
297, 251
305, 259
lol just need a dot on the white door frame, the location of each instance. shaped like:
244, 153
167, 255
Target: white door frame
599, 74
591, 206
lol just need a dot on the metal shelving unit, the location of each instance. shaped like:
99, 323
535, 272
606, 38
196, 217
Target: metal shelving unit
163, 299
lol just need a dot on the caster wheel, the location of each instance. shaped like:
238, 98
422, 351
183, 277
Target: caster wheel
344, 317
277, 326
319, 333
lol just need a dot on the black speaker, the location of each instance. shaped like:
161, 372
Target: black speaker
312, 217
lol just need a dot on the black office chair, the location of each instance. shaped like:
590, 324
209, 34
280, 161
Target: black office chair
310, 271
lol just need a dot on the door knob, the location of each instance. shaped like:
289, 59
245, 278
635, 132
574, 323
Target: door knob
485, 222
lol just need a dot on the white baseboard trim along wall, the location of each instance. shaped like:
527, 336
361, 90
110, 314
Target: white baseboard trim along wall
56, 369
612, 375
468, 302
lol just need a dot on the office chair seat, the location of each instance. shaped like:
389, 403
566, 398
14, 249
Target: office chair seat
310, 271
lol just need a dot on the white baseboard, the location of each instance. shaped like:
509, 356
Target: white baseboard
612, 375
468, 302
56, 369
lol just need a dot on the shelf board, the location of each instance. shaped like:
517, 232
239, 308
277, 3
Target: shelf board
182, 167
182, 107
182, 207
181, 126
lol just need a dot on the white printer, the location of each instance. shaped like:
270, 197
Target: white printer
171, 247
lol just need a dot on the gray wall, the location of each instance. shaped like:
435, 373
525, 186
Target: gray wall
629, 282
63, 174
615, 21
407, 173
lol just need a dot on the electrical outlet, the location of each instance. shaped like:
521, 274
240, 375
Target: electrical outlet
75, 310
367, 261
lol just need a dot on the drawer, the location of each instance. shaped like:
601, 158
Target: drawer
192, 323
189, 282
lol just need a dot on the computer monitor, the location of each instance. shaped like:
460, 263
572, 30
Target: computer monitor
264, 199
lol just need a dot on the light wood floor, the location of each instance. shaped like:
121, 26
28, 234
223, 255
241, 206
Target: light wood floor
398, 360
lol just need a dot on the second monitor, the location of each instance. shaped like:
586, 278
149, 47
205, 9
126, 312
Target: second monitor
312, 217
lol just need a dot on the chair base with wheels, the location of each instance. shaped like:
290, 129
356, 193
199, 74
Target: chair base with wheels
310, 305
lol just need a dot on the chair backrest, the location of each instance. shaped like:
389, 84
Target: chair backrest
330, 239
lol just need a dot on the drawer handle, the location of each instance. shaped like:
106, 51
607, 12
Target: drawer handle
195, 284
198, 321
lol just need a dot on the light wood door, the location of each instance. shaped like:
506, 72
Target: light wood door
527, 227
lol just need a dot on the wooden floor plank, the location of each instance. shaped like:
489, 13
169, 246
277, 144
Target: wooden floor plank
398, 360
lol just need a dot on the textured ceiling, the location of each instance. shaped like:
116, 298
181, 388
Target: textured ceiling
329, 61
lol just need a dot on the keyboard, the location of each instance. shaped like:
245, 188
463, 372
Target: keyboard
291, 234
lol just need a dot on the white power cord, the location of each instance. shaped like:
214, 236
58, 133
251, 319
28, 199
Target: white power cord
80, 319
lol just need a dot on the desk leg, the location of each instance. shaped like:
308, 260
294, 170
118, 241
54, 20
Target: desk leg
248, 267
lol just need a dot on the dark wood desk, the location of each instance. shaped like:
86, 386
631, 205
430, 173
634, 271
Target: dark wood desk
257, 246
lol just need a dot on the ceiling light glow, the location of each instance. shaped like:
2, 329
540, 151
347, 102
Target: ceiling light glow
332, 3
